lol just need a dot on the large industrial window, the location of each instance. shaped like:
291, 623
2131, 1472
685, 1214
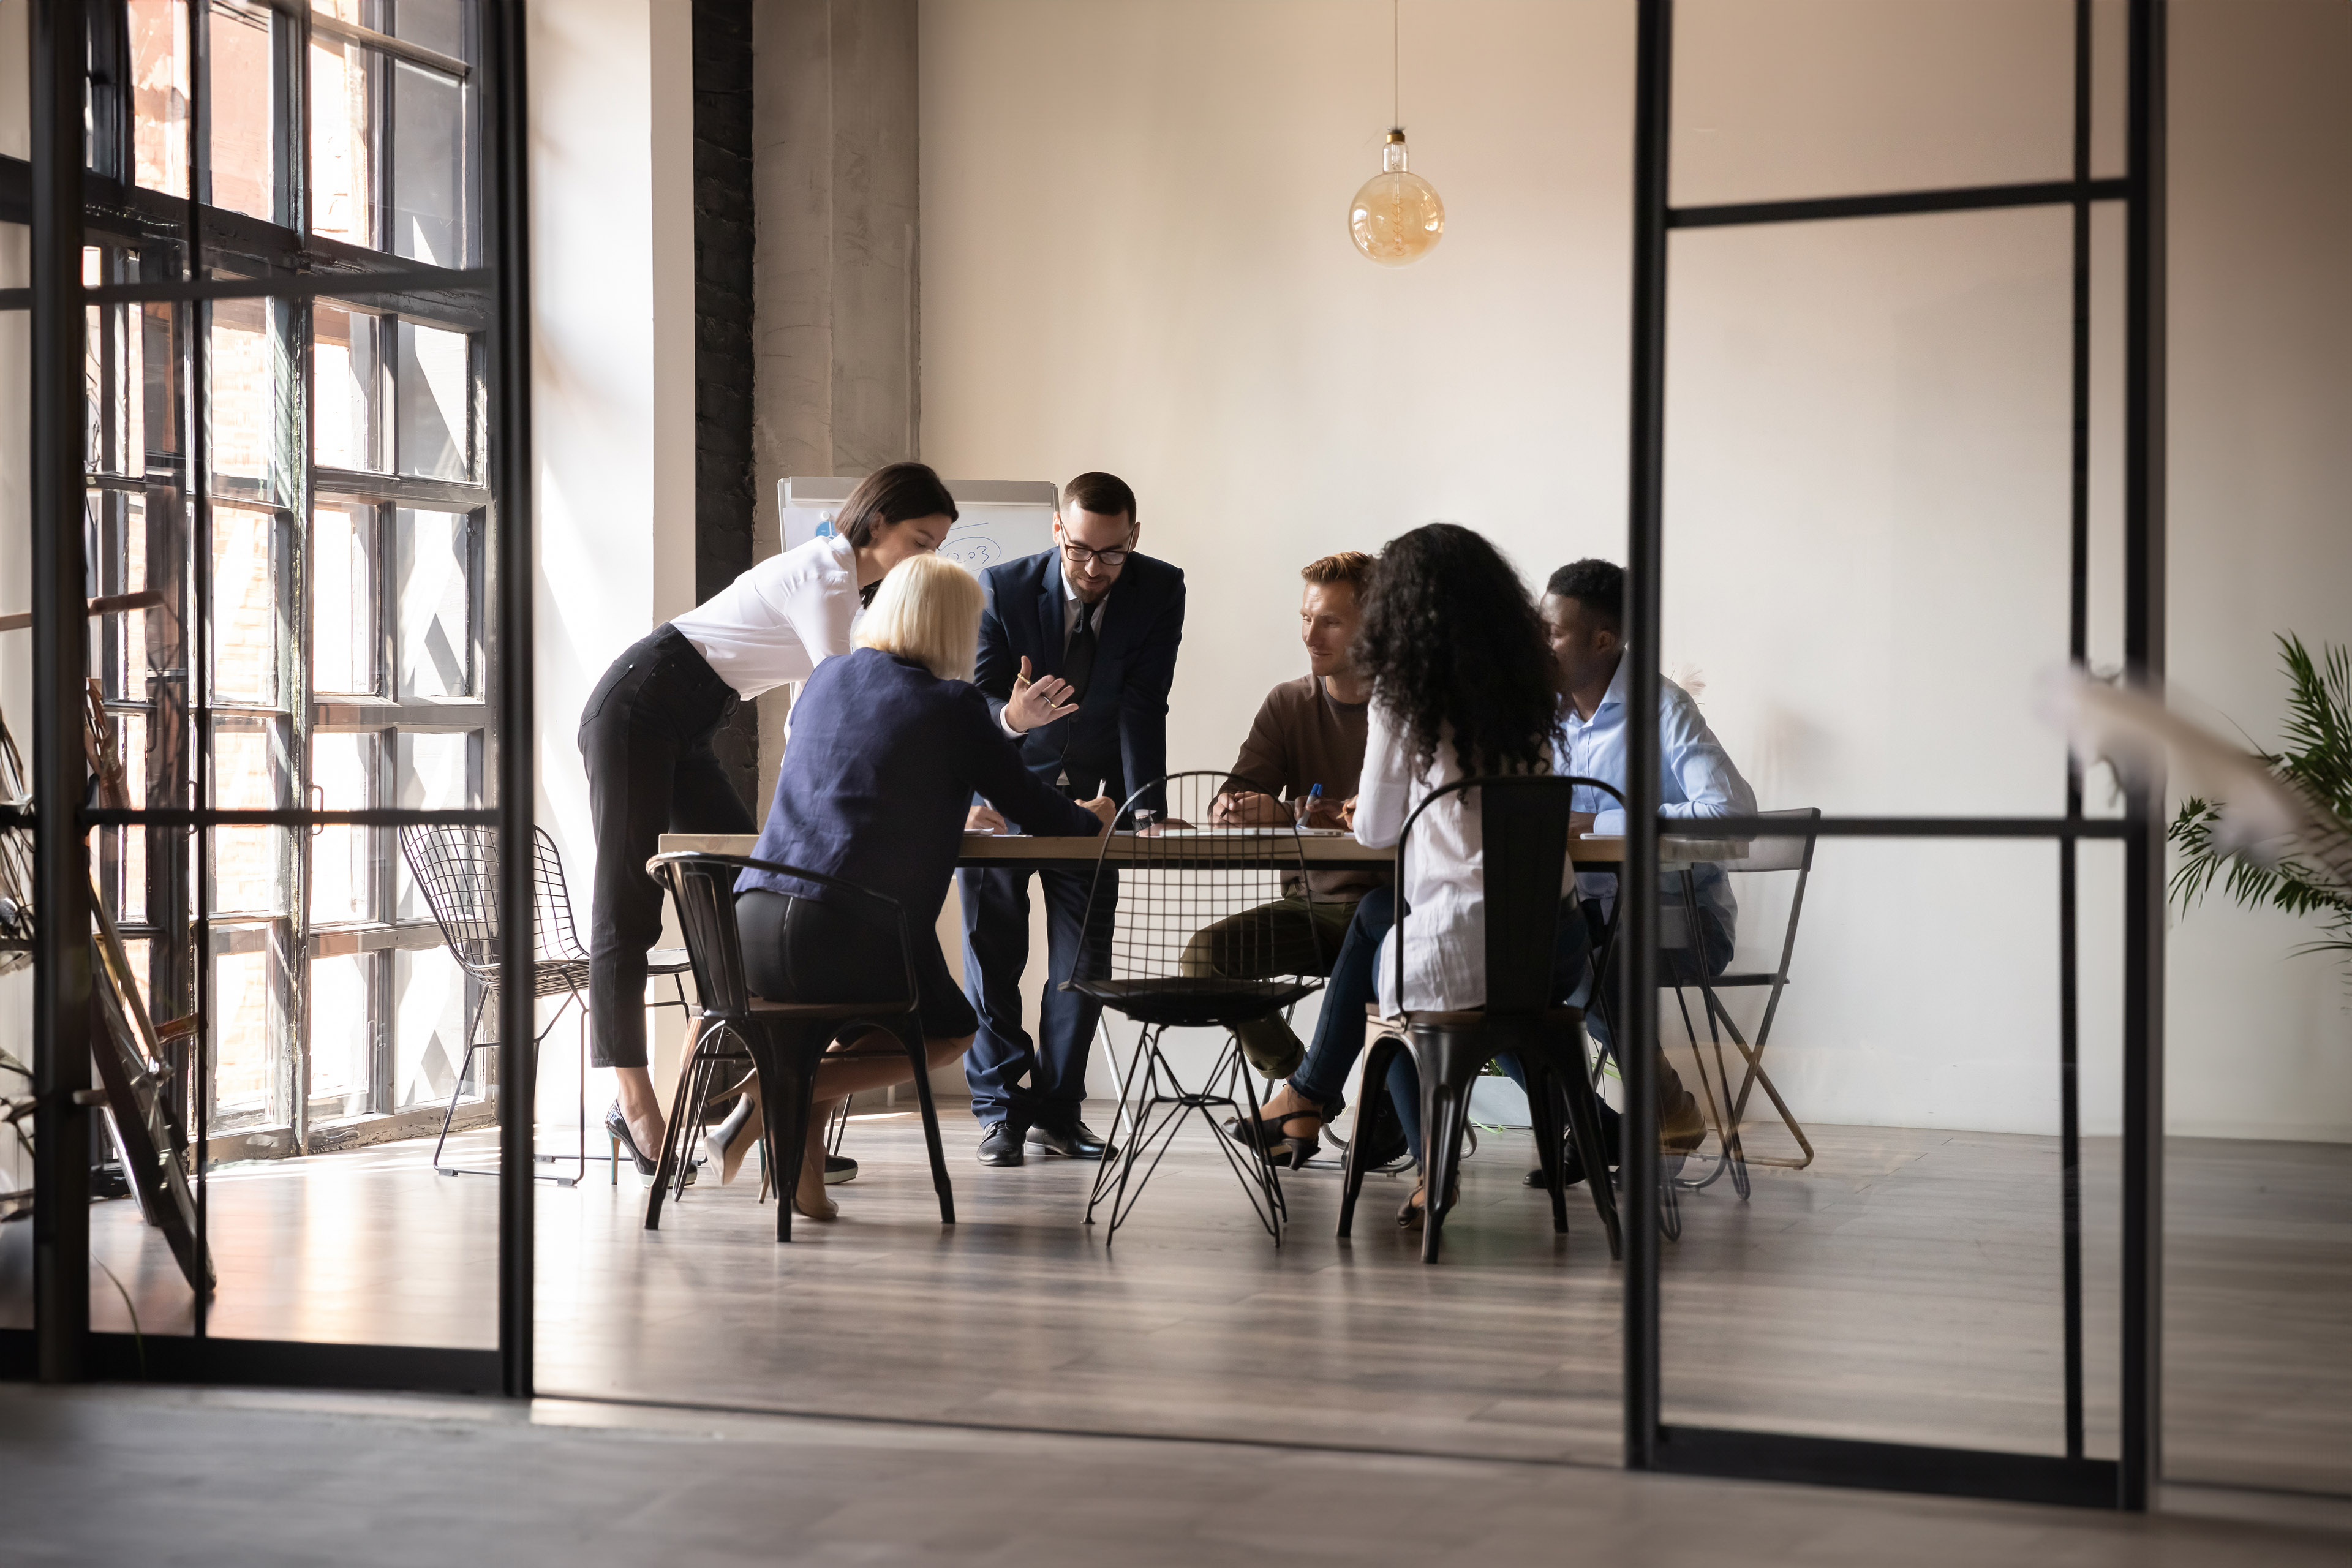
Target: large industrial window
344, 665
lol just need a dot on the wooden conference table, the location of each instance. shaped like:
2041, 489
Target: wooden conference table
983, 849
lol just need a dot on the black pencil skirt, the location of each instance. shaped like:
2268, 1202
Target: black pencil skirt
799, 950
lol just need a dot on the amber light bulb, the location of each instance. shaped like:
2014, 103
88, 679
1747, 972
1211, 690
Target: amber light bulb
1396, 219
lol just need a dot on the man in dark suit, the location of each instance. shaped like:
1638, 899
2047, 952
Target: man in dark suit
1106, 620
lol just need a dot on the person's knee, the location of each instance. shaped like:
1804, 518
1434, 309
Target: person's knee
941, 1050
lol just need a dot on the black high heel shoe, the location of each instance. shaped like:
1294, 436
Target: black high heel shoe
1415, 1213
616, 1128
1272, 1138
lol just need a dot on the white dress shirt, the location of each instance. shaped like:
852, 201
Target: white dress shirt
1696, 778
1446, 946
779, 620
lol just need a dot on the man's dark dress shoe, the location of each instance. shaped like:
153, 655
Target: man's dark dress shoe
1075, 1141
1000, 1145
839, 1168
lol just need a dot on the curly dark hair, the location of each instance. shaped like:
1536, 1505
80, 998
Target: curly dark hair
1451, 641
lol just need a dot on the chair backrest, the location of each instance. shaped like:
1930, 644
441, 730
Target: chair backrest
457, 868
703, 888
1157, 892
1523, 828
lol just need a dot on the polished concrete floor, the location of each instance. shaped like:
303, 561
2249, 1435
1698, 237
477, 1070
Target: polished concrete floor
1904, 1287
138, 1476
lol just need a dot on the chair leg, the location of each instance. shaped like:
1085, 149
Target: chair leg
456, 1090
1544, 1118
1441, 1144
665, 1163
1376, 1076
796, 1056
939, 1182
1584, 1124
1112, 1173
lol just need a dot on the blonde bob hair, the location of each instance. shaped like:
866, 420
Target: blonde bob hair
926, 609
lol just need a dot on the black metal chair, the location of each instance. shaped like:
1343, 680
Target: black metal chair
1146, 954
786, 1041
1727, 1109
1524, 830
457, 868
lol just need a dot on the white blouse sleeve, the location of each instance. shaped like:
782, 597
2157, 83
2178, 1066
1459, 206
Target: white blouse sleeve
1382, 794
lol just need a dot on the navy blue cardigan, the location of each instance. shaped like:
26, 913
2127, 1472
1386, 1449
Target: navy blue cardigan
884, 760
1118, 736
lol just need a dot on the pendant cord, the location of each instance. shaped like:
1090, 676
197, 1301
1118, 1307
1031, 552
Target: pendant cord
1396, 99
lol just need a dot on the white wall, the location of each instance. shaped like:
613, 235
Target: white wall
1135, 257
613, 373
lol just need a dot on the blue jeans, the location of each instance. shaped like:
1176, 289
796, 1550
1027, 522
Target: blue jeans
1678, 967
1340, 1031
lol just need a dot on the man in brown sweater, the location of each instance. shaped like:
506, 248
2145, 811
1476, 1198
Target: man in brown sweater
1308, 732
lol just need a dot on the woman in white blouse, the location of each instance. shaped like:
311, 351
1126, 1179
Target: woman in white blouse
645, 737
1463, 684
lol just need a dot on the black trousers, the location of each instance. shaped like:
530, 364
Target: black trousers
646, 738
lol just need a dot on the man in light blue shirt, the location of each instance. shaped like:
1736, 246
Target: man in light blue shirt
1583, 610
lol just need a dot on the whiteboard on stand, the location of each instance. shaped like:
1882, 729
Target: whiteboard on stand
998, 519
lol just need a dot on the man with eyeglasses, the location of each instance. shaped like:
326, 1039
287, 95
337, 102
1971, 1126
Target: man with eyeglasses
1093, 624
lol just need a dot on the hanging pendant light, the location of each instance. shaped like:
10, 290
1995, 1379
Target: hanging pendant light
1396, 218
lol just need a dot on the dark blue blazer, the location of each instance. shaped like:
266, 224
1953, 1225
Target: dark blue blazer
1119, 733
884, 761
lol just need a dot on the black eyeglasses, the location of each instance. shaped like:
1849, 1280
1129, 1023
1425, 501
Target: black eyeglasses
1079, 555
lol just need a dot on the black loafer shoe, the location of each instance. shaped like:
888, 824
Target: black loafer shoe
1000, 1145
1075, 1141
839, 1168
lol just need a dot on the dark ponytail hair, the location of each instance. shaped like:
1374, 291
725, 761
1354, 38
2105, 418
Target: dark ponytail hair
892, 494
1452, 642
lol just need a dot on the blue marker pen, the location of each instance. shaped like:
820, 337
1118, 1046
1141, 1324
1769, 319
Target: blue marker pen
1314, 799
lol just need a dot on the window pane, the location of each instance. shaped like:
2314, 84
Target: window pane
342, 1030
344, 859
242, 103
159, 94
434, 24
429, 1009
433, 404
429, 184
247, 381
347, 354
344, 115
252, 866
246, 604
244, 1025
343, 599
436, 773
436, 585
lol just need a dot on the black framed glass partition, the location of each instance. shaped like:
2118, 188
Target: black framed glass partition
279, 616
1938, 1382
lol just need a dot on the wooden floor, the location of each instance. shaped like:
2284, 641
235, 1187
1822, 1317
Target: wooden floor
1906, 1288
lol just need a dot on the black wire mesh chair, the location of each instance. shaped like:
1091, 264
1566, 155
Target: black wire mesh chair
457, 868
785, 1040
1727, 1109
1178, 935
1524, 828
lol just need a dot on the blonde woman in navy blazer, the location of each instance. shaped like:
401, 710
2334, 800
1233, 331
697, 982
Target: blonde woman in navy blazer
890, 742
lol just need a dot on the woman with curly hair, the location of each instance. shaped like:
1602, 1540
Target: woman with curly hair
1464, 683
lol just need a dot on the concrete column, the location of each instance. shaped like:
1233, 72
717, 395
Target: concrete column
833, 177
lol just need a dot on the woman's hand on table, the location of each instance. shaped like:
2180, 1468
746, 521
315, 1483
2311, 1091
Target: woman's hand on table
1036, 703
982, 819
